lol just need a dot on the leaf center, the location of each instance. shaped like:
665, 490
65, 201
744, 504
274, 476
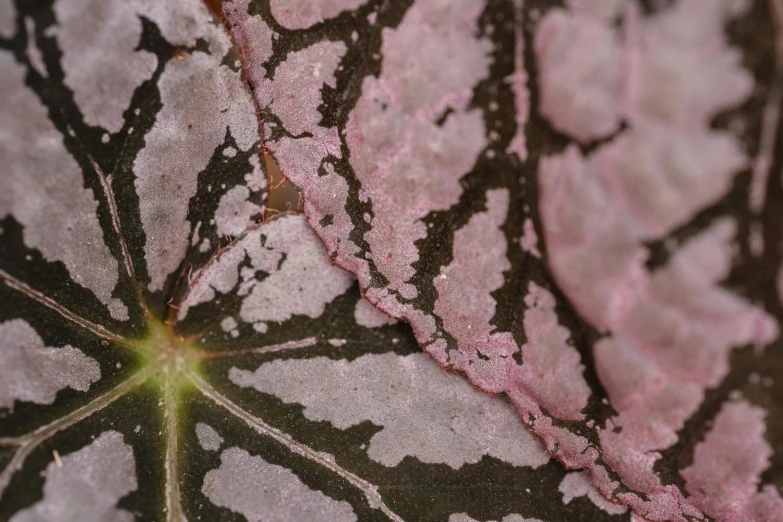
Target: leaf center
170, 357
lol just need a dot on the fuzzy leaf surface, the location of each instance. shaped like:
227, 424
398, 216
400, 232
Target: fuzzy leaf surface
165, 354
576, 204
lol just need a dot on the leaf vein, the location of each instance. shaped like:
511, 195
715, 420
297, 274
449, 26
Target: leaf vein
370, 491
28, 442
15, 284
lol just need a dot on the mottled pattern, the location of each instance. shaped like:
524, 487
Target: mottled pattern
552, 369
100, 58
235, 211
424, 413
465, 299
254, 37
550, 372
294, 94
724, 478
394, 141
561, 198
670, 330
408, 165
202, 101
87, 484
33, 372
297, 282
260, 491
601, 9
619, 320
42, 189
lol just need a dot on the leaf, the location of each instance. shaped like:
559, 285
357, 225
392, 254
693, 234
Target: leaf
434, 142
166, 353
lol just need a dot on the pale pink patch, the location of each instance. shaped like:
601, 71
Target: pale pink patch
529, 240
580, 81
725, 475
552, 369
671, 330
301, 14
518, 83
408, 165
465, 299
551, 372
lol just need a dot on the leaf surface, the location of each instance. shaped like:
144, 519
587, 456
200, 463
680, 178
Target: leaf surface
570, 202
166, 353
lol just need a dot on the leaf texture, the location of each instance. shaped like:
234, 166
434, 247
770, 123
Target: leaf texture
165, 353
570, 202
